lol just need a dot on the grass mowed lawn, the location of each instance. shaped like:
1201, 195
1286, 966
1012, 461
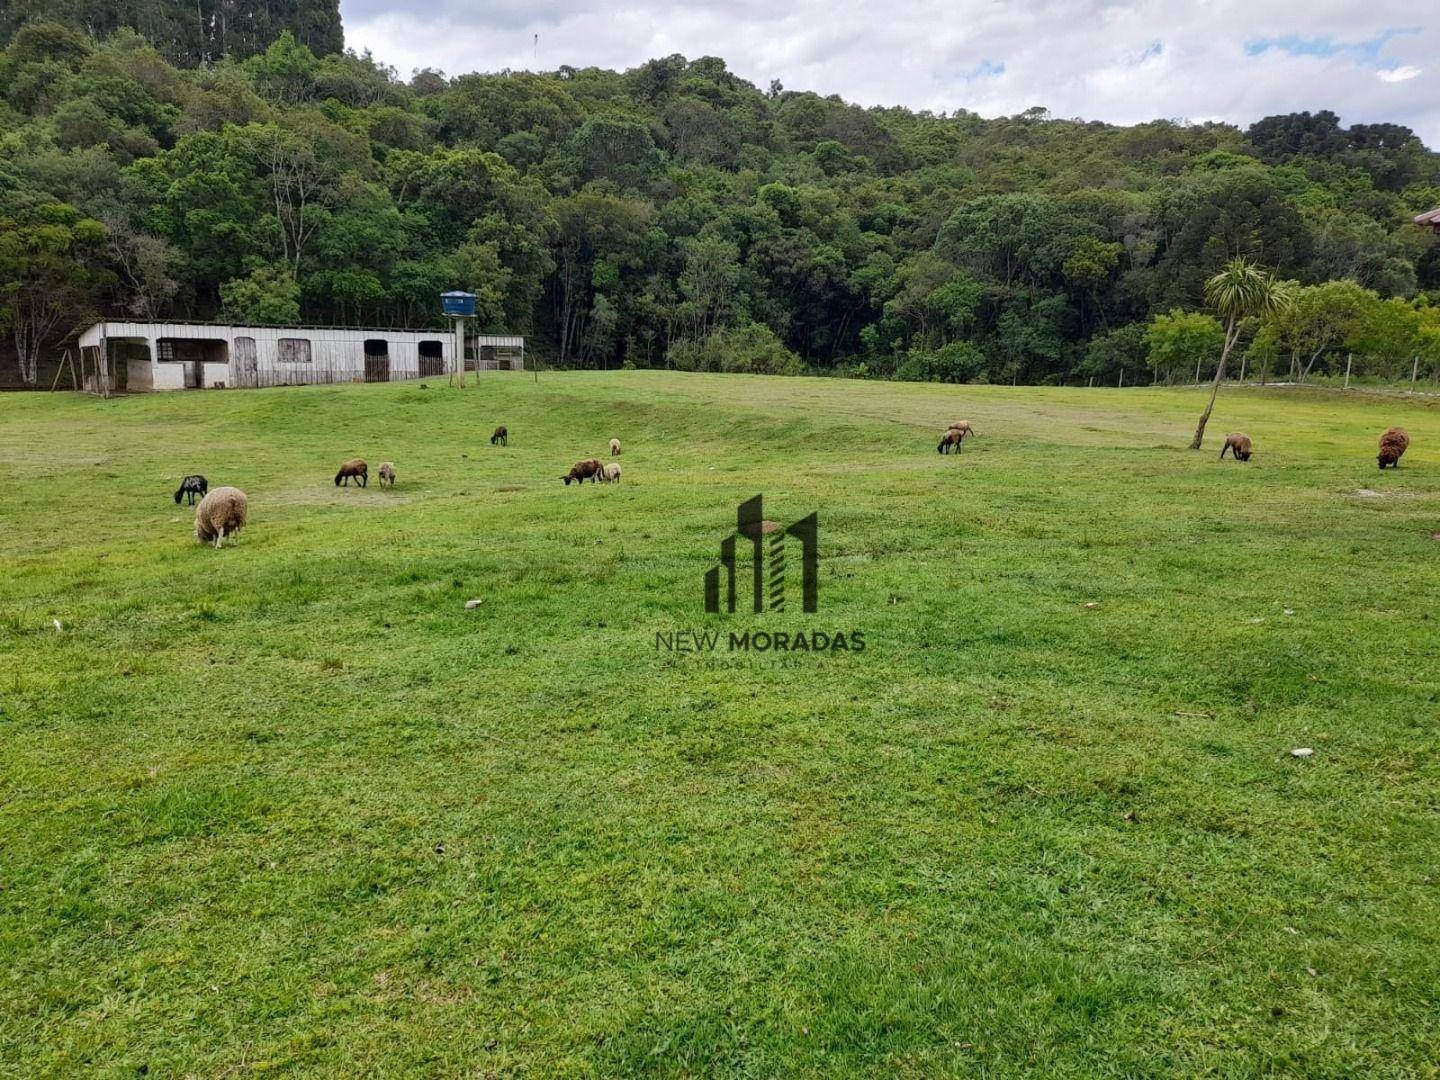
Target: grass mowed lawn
288, 807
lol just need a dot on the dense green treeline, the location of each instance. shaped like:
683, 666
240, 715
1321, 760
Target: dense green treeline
677, 215
190, 32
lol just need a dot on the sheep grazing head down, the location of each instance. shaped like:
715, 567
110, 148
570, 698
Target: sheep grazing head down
220, 514
581, 471
1393, 445
192, 487
387, 473
355, 467
1238, 444
500, 435
614, 447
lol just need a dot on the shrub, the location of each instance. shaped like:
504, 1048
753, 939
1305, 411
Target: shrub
750, 349
1176, 343
957, 362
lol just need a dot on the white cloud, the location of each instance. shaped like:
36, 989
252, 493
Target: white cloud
1400, 74
1122, 62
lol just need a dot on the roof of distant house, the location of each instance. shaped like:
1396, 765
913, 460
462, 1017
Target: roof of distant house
1431, 218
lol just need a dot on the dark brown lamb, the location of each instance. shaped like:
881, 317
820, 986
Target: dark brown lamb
357, 468
583, 470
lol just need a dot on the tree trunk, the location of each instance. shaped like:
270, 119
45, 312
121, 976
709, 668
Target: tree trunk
1231, 333
27, 353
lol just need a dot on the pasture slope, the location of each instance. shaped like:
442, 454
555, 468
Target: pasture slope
289, 808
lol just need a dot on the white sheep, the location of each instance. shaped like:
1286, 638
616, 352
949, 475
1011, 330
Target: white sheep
610, 474
221, 512
614, 447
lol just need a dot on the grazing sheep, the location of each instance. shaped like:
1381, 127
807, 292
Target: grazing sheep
952, 437
1393, 444
191, 486
357, 468
1238, 444
610, 474
220, 513
962, 426
583, 470
500, 435
614, 447
387, 473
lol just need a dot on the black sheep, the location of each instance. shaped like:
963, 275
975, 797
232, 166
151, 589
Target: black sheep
190, 487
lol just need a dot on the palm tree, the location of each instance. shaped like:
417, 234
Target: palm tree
1242, 290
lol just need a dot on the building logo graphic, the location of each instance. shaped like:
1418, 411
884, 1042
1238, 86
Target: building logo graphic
767, 569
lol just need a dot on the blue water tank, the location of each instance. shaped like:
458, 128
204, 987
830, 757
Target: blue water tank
458, 303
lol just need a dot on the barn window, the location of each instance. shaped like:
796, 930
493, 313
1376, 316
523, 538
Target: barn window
165, 349
294, 350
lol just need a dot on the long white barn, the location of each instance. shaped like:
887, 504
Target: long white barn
143, 356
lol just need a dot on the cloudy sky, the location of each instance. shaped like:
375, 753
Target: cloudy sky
1235, 60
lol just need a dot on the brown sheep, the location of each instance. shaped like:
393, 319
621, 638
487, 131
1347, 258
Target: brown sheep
614, 447
387, 473
1239, 446
581, 471
500, 435
962, 426
952, 437
609, 474
220, 513
357, 468
1393, 444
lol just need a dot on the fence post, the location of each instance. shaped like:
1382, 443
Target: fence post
1349, 359
1414, 372
1197, 371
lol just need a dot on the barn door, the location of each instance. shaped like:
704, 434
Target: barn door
432, 359
377, 360
245, 362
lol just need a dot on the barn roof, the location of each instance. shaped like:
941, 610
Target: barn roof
121, 328
1430, 218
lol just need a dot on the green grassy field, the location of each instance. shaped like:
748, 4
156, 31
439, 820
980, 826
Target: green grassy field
289, 808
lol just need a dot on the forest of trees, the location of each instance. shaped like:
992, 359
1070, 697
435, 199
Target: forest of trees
674, 214
191, 32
